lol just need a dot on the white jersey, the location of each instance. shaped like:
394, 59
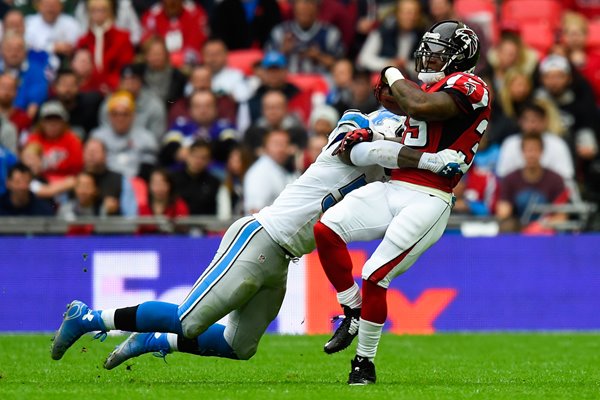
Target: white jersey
292, 216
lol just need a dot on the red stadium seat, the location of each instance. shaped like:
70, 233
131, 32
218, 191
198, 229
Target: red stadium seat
468, 7
313, 89
515, 13
244, 60
481, 12
539, 36
593, 39
311, 82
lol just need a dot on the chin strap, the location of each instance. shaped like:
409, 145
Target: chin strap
431, 77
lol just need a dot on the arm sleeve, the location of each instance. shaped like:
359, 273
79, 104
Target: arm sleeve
381, 152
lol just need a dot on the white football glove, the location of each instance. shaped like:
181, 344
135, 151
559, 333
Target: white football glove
447, 163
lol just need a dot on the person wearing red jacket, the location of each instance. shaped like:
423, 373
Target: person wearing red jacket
62, 151
182, 24
110, 47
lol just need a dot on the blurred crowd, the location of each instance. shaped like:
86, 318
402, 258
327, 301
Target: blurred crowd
210, 107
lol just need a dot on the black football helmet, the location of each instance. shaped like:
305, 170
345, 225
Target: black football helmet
453, 42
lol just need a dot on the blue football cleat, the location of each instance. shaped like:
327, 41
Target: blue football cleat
77, 320
137, 344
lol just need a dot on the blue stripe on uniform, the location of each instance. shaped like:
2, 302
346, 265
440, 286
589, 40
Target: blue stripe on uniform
355, 116
219, 269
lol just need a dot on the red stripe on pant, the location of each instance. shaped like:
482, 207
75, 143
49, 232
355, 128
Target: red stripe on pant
386, 268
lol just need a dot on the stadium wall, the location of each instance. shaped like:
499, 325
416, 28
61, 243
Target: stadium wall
460, 284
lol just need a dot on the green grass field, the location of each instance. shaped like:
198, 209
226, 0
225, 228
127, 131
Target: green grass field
444, 366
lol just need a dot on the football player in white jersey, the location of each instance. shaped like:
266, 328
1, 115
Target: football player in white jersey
247, 277
410, 212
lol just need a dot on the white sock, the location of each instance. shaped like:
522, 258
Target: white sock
369, 334
350, 297
172, 339
382, 152
108, 317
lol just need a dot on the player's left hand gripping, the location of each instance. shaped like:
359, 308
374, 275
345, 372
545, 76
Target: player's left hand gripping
352, 138
453, 163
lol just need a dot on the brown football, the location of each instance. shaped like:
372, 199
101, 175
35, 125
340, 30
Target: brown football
387, 100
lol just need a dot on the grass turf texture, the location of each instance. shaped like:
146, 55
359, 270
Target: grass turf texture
444, 366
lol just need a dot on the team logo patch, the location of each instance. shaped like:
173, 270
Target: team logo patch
261, 258
470, 88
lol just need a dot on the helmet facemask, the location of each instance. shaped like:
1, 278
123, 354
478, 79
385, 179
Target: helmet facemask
453, 53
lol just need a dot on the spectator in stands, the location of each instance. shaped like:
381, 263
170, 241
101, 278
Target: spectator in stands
355, 19
182, 24
163, 200
82, 107
31, 70
115, 191
86, 200
131, 150
32, 156
340, 91
14, 21
530, 185
19, 200
230, 203
62, 149
323, 120
166, 82
225, 80
308, 156
533, 121
202, 124
395, 41
575, 99
362, 94
258, 191
510, 53
8, 93
243, 27
275, 116
273, 75
125, 18
515, 92
7, 160
110, 46
83, 66
195, 184
201, 79
50, 30
150, 111
573, 45
309, 45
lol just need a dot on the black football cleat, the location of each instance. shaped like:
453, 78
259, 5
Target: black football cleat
345, 333
362, 373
